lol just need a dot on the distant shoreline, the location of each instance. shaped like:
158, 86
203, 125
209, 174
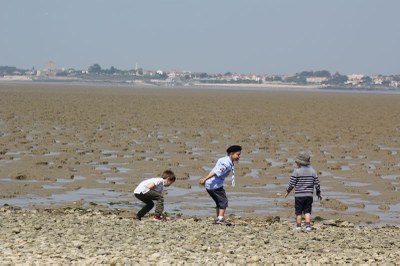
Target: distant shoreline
263, 85
275, 87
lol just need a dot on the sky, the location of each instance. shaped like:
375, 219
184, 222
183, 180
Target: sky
213, 36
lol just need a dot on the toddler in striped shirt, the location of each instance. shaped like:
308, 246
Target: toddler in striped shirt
303, 179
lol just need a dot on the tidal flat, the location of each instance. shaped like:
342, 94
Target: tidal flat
85, 146
71, 156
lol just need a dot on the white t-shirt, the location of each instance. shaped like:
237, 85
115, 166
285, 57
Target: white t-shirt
143, 186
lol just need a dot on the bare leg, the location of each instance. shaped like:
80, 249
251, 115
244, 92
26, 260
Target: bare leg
308, 218
221, 212
298, 219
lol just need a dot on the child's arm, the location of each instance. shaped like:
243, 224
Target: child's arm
151, 185
204, 179
292, 184
317, 187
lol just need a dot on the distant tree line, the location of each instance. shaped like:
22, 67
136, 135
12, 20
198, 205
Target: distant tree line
274, 78
97, 70
301, 78
8, 70
224, 81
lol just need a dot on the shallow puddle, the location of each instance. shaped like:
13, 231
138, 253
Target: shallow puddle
99, 196
391, 177
112, 179
274, 163
355, 184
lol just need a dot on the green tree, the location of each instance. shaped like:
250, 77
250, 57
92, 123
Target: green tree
273, 78
338, 79
94, 69
164, 75
7, 70
319, 73
297, 79
366, 80
306, 74
62, 74
203, 75
113, 70
322, 73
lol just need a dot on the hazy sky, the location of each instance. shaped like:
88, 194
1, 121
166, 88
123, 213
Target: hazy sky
214, 36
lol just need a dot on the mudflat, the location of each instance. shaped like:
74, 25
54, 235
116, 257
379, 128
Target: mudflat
89, 146
71, 155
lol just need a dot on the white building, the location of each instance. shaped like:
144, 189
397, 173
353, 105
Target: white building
316, 79
354, 79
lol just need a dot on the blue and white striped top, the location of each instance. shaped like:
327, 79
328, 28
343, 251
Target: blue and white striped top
303, 180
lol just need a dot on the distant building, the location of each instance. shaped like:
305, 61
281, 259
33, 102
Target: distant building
50, 70
256, 78
354, 79
395, 84
378, 80
316, 80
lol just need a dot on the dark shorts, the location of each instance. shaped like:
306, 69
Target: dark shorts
303, 205
219, 196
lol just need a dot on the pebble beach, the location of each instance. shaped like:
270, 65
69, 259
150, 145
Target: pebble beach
86, 236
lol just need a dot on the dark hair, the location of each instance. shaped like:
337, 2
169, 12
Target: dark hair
168, 174
233, 148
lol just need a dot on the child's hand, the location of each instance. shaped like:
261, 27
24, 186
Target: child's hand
319, 195
287, 193
202, 181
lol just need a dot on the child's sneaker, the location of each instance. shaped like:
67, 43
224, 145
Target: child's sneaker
308, 228
135, 218
297, 228
220, 221
157, 218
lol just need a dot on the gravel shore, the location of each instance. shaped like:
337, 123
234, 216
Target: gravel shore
89, 236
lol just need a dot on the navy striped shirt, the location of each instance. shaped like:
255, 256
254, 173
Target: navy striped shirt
303, 180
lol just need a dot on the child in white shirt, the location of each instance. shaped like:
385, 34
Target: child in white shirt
150, 190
